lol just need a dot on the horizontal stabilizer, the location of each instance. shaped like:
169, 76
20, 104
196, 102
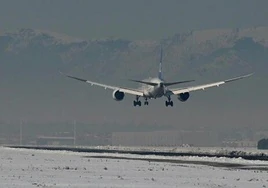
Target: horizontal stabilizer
144, 82
165, 83
174, 83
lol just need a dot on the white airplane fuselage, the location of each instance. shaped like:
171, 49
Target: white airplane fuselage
155, 91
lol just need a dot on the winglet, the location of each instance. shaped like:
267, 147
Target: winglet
238, 78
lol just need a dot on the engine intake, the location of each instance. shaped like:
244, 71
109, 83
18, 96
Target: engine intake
184, 96
118, 95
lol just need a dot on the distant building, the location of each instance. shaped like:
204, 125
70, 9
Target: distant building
240, 143
165, 138
49, 140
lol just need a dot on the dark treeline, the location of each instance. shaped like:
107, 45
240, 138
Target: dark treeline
263, 144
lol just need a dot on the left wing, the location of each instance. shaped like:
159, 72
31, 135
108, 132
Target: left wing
122, 89
205, 86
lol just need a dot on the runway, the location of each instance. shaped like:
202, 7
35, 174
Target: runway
46, 168
244, 153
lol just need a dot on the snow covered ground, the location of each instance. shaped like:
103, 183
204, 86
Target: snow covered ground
193, 150
41, 168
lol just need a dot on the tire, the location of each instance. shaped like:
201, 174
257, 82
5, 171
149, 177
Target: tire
167, 103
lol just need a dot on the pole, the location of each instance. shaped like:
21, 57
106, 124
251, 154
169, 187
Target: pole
20, 132
74, 129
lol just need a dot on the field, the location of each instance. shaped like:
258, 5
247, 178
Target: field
42, 168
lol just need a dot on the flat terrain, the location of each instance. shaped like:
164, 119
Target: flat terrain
42, 168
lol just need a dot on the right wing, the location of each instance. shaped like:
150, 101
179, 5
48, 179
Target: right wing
205, 86
122, 89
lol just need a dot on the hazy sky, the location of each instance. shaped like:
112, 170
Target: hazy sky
133, 19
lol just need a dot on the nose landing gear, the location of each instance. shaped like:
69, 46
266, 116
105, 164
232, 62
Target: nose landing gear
146, 102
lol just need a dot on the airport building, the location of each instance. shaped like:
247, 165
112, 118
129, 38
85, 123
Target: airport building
165, 138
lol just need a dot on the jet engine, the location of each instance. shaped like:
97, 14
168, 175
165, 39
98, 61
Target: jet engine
184, 96
118, 95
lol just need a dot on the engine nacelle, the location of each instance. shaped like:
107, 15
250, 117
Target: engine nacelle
184, 96
118, 95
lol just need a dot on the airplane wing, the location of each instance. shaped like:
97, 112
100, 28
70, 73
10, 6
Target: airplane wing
122, 89
205, 86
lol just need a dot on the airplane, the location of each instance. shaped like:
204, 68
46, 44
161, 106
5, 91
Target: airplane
157, 88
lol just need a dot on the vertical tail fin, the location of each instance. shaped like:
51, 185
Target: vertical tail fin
160, 65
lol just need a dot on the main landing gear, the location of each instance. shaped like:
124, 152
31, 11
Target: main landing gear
169, 102
137, 102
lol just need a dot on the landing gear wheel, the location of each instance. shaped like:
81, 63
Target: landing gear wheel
146, 102
169, 102
137, 102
